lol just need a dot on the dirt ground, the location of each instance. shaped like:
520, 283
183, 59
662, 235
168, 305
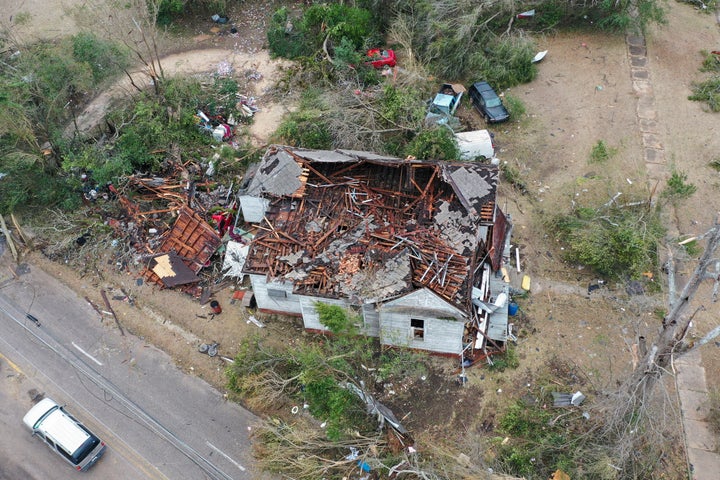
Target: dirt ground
582, 95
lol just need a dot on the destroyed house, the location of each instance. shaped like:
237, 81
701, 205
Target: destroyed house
412, 246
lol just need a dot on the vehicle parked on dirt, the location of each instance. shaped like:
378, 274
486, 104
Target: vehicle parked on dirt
441, 109
381, 58
488, 103
64, 434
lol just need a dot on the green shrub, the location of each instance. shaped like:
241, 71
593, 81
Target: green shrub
601, 153
614, 242
504, 63
515, 107
401, 364
402, 106
339, 407
677, 186
306, 127
335, 318
104, 58
284, 41
711, 62
29, 184
337, 21
434, 144
168, 10
707, 91
511, 174
537, 441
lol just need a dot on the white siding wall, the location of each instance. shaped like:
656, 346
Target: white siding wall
311, 319
289, 303
371, 316
442, 336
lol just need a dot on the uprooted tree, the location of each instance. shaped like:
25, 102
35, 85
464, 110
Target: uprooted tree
629, 414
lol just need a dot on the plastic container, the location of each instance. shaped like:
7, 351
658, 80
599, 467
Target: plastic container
512, 308
215, 305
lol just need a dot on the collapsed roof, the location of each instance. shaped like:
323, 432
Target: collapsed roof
368, 227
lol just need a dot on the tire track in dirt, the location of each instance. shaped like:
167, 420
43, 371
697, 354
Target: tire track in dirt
204, 62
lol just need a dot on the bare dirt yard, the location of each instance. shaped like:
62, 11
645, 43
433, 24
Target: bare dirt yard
583, 94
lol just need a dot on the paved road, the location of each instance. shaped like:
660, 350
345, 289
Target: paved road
158, 422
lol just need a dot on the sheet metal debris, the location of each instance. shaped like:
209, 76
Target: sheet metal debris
567, 399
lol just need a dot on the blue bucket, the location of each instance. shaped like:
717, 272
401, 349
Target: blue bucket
513, 308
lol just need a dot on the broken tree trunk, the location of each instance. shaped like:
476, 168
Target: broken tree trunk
675, 323
8, 237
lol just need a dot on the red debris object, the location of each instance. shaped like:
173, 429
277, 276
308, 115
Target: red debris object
216, 308
223, 221
381, 58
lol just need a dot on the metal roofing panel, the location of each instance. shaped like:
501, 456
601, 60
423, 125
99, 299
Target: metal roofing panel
279, 174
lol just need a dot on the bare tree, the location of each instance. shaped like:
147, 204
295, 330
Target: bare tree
134, 24
677, 321
639, 414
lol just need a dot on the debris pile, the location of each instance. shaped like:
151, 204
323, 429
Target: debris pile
174, 225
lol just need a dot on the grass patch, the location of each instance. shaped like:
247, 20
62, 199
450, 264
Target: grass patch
708, 91
511, 175
601, 152
508, 359
515, 106
713, 417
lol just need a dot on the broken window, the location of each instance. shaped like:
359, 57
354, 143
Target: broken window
417, 326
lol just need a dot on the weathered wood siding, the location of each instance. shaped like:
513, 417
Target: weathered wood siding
267, 298
443, 323
311, 318
371, 317
442, 336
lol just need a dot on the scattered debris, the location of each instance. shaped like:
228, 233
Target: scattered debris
376, 408
441, 109
221, 19
255, 321
112, 312
560, 475
526, 14
539, 56
216, 308
567, 399
211, 349
224, 69
186, 248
